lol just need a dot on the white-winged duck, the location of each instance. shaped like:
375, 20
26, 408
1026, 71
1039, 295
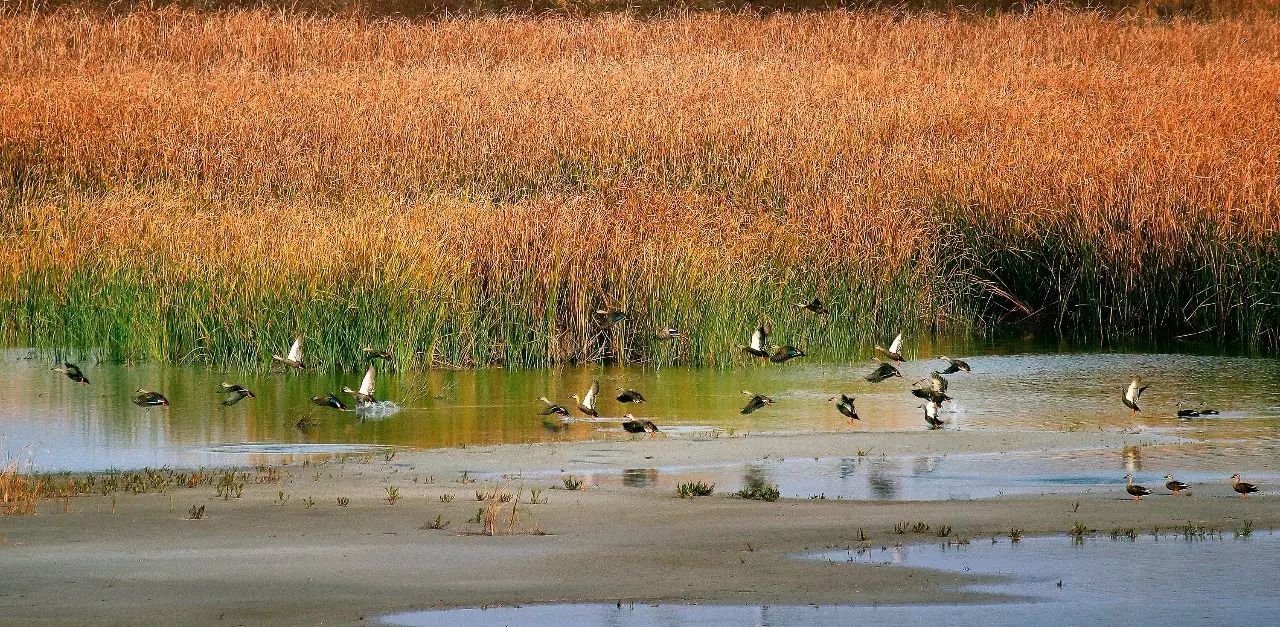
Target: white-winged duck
73, 372
587, 404
294, 358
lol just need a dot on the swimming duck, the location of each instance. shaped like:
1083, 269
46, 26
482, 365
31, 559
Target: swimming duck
931, 395
757, 401
606, 317
1194, 413
1242, 488
631, 425
894, 353
367, 386
147, 398
845, 407
235, 393
931, 415
954, 365
329, 400
1136, 491
814, 306
883, 372
1174, 485
294, 358
629, 396
758, 345
372, 353
669, 333
783, 354
1133, 393
73, 372
587, 404
552, 408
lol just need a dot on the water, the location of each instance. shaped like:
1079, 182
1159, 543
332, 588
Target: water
67, 426
1103, 581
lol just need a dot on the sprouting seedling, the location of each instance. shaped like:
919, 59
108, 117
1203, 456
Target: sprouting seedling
393, 494
343, 501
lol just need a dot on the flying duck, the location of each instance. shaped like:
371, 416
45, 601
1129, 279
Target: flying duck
631, 425
587, 404
372, 353
783, 354
1136, 491
235, 393
758, 345
845, 407
1174, 485
73, 372
147, 398
629, 396
894, 353
294, 358
669, 333
884, 371
606, 317
954, 365
552, 408
931, 395
329, 400
367, 386
1242, 488
1133, 393
757, 401
814, 306
931, 415
936, 382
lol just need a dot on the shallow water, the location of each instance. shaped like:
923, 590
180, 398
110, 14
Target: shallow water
1103, 581
62, 425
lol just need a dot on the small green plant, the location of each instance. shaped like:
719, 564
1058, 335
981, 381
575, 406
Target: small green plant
446, 498
759, 491
466, 478
692, 489
480, 495
436, 524
479, 516
1015, 535
573, 483
1129, 533
1245, 529
862, 535
309, 503
282, 497
536, 498
919, 528
1075, 507
943, 531
1079, 531
196, 512
387, 457
901, 527
343, 501
393, 494
505, 497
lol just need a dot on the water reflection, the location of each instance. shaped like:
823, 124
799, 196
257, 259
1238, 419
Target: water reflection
639, 477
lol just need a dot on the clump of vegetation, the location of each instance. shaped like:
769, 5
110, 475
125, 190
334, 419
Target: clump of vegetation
309, 503
1129, 533
1078, 531
1015, 535
446, 498
536, 498
282, 497
196, 512
1245, 529
436, 524
393, 494
758, 490
943, 531
691, 489
343, 501
573, 483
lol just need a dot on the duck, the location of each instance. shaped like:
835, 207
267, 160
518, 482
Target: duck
1242, 488
367, 386
783, 354
606, 317
629, 396
1194, 413
73, 372
893, 353
1136, 491
931, 395
1174, 485
587, 404
669, 333
884, 371
552, 408
235, 393
758, 345
931, 415
937, 382
758, 401
845, 407
329, 400
1133, 393
631, 425
294, 358
371, 353
814, 306
147, 398
955, 365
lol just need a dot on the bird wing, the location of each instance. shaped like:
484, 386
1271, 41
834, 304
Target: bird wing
295, 351
1131, 394
896, 346
589, 401
369, 382
759, 339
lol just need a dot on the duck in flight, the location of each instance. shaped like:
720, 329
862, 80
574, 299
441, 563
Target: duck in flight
783, 354
73, 372
954, 365
234, 393
147, 398
845, 407
631, 425
367, 386
884, 371
629, 396
814, 306
758, 345
758, 401
1242, 488
933, 396
606, 317
1133, 393
329, 400
1174, 485
894, 352
669, 333
587, 404
294, 358
931, 418
552, 408
1134, 490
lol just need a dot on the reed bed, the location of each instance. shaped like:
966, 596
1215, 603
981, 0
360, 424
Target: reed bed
196, 185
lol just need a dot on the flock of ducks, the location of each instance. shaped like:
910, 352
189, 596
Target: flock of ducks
758, 345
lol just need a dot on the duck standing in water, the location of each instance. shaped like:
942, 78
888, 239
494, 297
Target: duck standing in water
552, 408
931, 418
73, 372
631, 425
587, 404
758, 345
758, 401
884, 371
845, 407
1133, 393
1174, 485
294, 358
234, 393
329, 400
1134, 490
1242, 488
894, 352
367, 387
147, 398
814, 306
954, 365
783, 354
629, 396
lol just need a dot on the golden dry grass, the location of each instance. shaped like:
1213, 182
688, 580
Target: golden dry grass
473, 188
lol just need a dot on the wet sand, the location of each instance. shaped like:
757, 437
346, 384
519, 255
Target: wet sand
253, 560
